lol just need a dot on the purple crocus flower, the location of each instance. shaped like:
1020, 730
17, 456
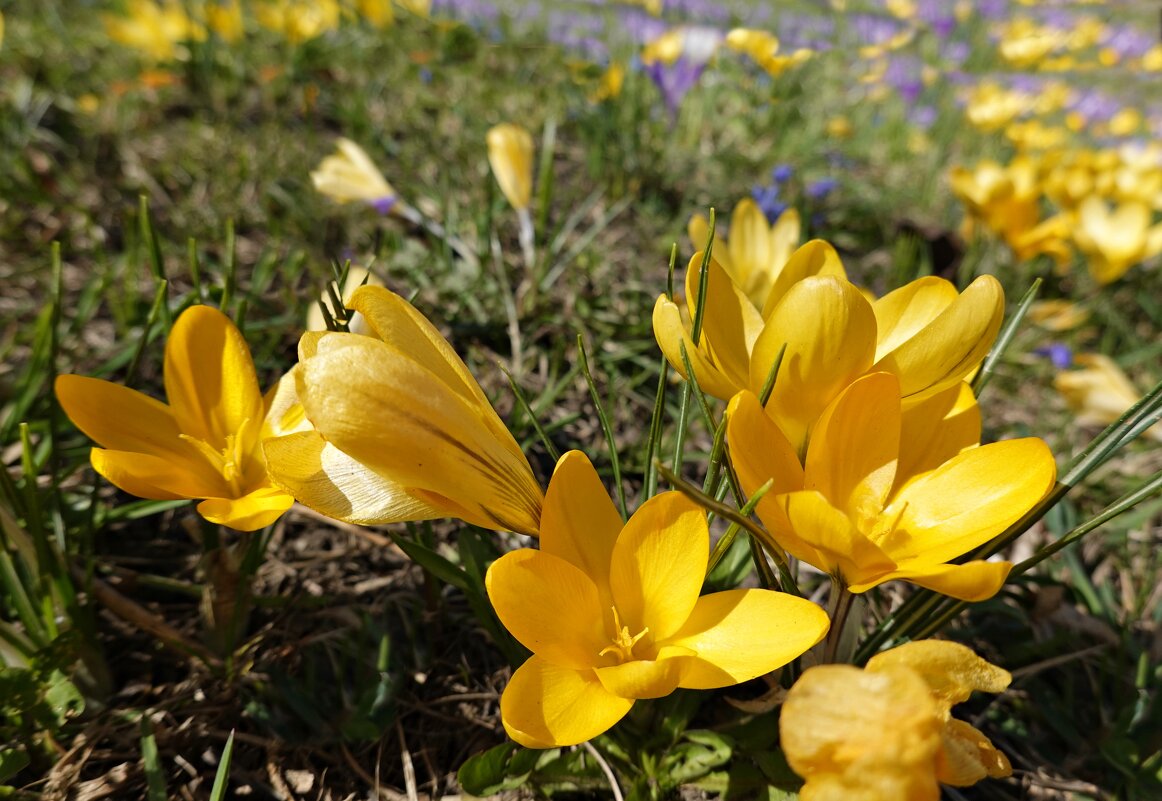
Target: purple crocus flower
821, 188
767, 199
1058, 353
782, 173
675, 81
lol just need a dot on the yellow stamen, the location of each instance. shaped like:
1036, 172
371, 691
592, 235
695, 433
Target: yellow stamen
623, 641
229, 460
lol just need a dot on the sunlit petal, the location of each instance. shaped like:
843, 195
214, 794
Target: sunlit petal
935, 430
251, 512
579, 523
839, 547
160, 478
546, 705
972, 581
814, 258
645, 678
671, 332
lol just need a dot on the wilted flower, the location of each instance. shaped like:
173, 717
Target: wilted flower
611, 613
832, 727
204, 444
885, 494
510, 152
396, 428
1100, 392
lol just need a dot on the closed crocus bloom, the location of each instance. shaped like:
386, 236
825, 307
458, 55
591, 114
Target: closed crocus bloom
1057, 315
204, 444
510, 152
611, 613
1114, 240
351, 175
757, 252
399, 429
885, 494
1100, 392
833, 733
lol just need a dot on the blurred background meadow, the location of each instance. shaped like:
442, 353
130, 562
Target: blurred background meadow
155, 155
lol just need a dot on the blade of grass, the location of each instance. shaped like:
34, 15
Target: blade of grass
527, 410
1004, 339
151, 762
605, 427
222, 776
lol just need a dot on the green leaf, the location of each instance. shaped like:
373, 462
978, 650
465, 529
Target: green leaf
505, 767
702, 752
12, 761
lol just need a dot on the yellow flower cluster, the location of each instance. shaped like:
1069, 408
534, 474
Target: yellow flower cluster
1104, 203
1027, 43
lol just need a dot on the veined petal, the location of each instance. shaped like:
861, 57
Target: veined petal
972, 581
579, 523
645, 678
851, 458
284, 412
967, 501
658, 565
785, 233
670, 332
550, 606
840, 547
322, 477
546, 705
395, 416
946, 350
750, 245
120, 418
209, 377
397, 323
730, 323
935, 430
156, 477
737, 635
967, 756
815, 258
830, 332
904, 312
251, 512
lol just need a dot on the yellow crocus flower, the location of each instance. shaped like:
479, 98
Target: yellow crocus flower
832, 730
204, 444
298, 20
399, 429
1057, 315
1115, 239
351, 175
377, 12
611, 613
224, 17
925, 333
510, 153
757, 251
1100, 392
156, 29
885, 494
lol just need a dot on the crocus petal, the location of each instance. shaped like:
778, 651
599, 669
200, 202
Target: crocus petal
832, 731
967, 501
671, 332
829, 331
120, 418
698, 230
904, 312
839, 547
814, 258
546, 705
946, 350
510, 153
579, 523
550, 606
398, 418
935, 430
952, 671
851, 458
730, 323
646, 678
322, 477
284, 412
740, 634
972, 581
658, 565
967, 756
251, 512
209, 377
750, 245
160, 478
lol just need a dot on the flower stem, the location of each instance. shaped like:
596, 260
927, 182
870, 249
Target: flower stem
841, 600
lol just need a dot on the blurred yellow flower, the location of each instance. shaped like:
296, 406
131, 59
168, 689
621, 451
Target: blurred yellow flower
832, 730
298, 20
510, 153
1115, 239
839, 127
1057, 315
351, 175
1100, 392
399, 429
611, 613
991, 107
224, 17
887, 494
421, 8
377, 12
204, 444
156, 29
